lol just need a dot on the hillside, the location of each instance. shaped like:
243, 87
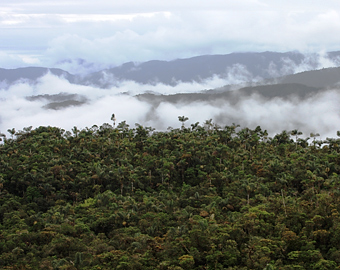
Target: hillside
284, 91
198, 197
323, 78
31, 74
246, 66
200, 68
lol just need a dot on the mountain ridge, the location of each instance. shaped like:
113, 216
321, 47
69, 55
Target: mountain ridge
254, 69
246, 66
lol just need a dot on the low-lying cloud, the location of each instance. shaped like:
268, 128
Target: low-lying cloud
319, 113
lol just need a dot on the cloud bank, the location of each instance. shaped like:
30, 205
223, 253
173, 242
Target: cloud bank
319, 113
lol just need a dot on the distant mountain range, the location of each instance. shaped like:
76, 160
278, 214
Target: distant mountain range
31, 74
197, 69
269, 74
265, 65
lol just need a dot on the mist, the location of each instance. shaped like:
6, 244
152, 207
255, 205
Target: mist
319, 113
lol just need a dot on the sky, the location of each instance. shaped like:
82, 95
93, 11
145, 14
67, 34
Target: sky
82, 35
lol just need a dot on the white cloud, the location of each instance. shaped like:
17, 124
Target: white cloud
319, 113
13, 60
111, 32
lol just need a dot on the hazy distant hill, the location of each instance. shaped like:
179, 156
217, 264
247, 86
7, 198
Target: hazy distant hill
327, 77
248, 66
200, 68
266, 65
60, 101
284, 91
31, 74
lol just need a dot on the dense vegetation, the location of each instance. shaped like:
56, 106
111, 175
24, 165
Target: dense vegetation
199, 197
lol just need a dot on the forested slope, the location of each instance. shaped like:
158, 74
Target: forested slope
199, 197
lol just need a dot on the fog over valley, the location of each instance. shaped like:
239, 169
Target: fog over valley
277, 93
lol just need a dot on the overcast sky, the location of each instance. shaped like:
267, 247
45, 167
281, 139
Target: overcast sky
108, 33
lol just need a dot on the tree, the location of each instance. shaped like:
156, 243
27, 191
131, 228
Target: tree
208, 124
182, 119
12, 132
296, 133
75, 131
3, 137
113, 118
314, 135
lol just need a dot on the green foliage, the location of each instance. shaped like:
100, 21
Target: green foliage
203, 197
